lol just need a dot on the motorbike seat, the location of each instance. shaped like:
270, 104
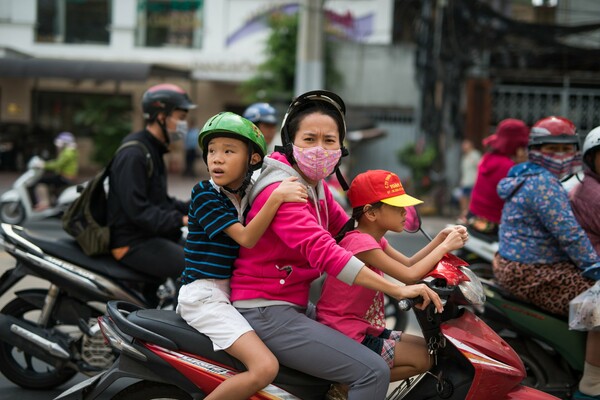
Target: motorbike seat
169, 324
509, 296
486, 237
67, 249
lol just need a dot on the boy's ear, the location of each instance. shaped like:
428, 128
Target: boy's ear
255, 159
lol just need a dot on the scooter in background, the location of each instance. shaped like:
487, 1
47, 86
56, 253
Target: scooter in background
48, 335
16, 204
552, 354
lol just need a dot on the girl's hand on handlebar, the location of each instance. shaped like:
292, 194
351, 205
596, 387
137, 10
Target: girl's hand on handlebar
291, 191
428, 295
455, 240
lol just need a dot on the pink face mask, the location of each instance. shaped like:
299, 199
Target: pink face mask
316, 163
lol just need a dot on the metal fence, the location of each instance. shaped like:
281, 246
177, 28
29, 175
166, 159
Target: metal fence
530, 103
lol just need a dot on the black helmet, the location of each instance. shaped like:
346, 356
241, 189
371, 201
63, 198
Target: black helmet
165, 97
303, 102
315, 99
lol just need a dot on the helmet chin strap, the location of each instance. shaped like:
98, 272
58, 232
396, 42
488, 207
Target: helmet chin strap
163, 128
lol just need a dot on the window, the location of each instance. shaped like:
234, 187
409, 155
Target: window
169, 23
73, 21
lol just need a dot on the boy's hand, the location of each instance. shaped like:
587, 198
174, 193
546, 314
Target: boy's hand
291, 191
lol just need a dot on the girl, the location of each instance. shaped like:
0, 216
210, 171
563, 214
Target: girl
378, 200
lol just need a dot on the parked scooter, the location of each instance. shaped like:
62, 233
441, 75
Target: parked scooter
16, 205
49, 335
168, 358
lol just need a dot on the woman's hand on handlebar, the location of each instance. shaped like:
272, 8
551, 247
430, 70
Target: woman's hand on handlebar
428, 295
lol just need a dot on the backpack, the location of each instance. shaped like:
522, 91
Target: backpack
86, 217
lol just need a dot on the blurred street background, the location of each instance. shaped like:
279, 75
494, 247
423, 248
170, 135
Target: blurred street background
418, 77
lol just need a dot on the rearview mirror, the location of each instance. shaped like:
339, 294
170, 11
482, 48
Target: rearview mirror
412, 223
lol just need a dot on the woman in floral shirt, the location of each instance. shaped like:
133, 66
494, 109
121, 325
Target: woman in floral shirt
544, 255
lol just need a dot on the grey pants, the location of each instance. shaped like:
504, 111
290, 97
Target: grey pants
306, 345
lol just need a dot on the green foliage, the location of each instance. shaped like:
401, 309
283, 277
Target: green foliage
419, 158
108, 118
275, 77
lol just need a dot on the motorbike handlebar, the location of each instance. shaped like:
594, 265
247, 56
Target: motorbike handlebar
407, 304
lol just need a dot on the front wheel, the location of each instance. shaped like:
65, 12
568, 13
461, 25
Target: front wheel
146, 390
12, 212
22, 368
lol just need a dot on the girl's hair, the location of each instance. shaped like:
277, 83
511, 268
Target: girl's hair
314, 107
357, 213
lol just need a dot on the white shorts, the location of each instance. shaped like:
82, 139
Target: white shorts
204, 304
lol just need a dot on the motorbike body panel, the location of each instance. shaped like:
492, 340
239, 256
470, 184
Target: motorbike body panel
546, 327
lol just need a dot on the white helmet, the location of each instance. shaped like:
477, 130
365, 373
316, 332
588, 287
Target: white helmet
592, 141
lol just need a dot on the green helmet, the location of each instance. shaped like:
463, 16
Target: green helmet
228, 124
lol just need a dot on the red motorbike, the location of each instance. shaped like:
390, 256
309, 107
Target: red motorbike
169, 359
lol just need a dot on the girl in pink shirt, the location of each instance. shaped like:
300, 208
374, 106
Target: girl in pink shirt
378, 200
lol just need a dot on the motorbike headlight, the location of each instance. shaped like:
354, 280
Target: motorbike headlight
472, 290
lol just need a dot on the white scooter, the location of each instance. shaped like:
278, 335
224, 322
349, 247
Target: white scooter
16, 204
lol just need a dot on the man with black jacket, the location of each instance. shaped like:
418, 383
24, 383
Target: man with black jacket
145, 223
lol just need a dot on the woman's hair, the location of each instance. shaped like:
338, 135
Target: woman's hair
310, 108
357, 214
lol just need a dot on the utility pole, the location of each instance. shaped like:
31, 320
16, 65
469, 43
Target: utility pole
310, 70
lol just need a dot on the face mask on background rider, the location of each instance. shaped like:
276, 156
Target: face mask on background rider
181, 128
561, 164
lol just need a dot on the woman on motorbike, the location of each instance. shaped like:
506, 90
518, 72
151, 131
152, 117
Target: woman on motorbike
270, 282
544, 256
506, 147
585, 197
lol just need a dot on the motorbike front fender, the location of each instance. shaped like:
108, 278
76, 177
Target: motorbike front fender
11, 277
10, 196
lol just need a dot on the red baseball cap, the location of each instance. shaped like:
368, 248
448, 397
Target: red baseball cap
379, 185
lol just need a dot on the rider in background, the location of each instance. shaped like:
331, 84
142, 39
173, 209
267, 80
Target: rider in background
145, 222
544, 256
61, 171
507, 147
264, 116
585, 197
378, 200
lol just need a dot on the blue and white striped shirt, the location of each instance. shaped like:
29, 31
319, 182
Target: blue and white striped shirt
209, 252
